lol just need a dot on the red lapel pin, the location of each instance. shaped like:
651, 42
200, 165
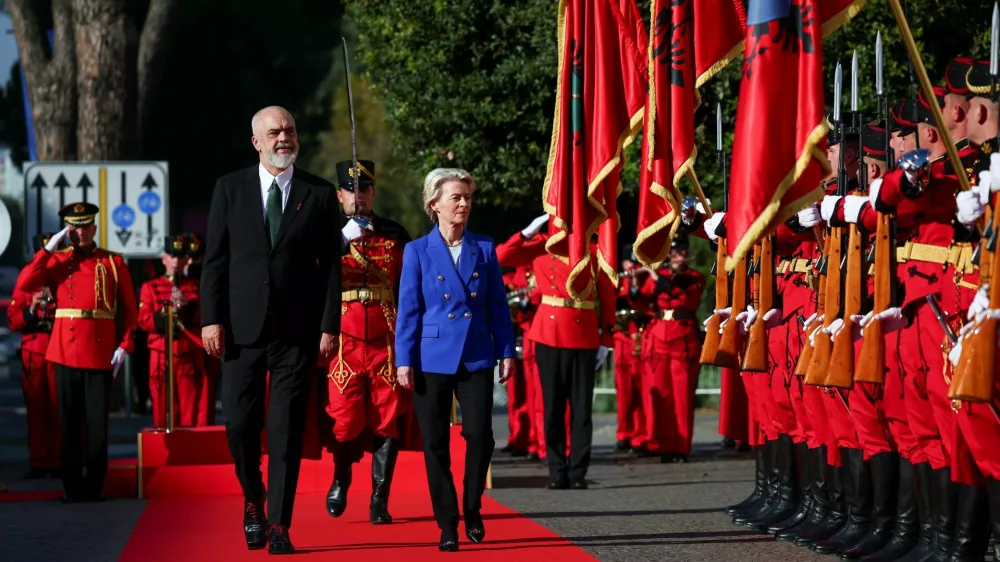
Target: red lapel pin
299, 207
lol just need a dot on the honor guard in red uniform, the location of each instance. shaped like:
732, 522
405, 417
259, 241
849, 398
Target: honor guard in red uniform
32, 316
671, 350
92, 334
633, 310
188, 355
521, 438
211, 366
362, 389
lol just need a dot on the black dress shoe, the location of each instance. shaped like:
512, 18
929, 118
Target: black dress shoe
533, 456
475, 531
559, 484
336, 497
623, 445
255, 525
278, 541
579, 484
34, 473
449, 542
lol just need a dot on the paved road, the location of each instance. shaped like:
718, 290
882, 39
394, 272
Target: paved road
636, 509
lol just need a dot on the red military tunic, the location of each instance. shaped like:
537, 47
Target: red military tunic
671, 348
518, 409
188, 358
362, 390
97, 311
38, 378
635, 303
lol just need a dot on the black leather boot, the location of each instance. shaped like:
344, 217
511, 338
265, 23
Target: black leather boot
944, 492
383, 466
820, 504
786, 501
859, 505
885, 470
993, 493
770, 487
336, 498
804, 473
757, 495
837, 517
972, 525
925, 503
906, 530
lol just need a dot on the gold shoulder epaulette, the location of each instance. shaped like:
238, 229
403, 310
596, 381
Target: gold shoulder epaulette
65, 250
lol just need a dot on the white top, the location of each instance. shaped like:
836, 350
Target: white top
455, 251
284, 184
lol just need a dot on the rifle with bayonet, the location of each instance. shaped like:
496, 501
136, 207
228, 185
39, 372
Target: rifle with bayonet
755, 357
833, 254
710, 349
841, 369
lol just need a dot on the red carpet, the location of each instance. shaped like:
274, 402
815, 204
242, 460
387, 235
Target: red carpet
210, 528
30, 496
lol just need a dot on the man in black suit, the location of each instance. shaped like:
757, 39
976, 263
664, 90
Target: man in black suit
270, 285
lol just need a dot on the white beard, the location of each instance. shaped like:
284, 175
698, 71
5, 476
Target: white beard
280, 161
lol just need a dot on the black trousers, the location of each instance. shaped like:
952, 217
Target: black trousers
84, 402
244, 375
432, 396
568, 374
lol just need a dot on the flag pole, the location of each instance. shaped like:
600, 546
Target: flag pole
928, 90
699, 192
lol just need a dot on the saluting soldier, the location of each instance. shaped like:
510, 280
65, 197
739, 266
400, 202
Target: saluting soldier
362, 391
181, 292
93, 333
32, 315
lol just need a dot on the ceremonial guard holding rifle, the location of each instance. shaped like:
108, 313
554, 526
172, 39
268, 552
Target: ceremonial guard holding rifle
180, 293
32, 315
635, 307
362, 392
91, 337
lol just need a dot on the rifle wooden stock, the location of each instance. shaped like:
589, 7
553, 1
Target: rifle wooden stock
823, 348
755, 358
710, 349
871, 366
805, 358
731, 342
973, 381
840, 373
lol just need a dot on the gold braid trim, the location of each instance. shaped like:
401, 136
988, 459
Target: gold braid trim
388, 371
340, 372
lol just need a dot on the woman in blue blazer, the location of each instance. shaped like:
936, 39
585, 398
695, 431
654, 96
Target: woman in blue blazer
453, 325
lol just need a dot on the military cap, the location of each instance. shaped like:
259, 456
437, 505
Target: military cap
679, 242
903, 117
833, 137
955, 76
345, 174
873, 140
79, 214
175, 245
195, 248
924, 113
978, 79
40, 240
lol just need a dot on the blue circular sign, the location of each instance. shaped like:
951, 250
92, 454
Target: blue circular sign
149, 202
123, 216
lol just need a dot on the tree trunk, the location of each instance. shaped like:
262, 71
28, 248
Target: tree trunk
105, 103
49, 76
152, 50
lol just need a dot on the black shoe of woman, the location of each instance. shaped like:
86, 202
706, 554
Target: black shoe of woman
449, 542
474, 529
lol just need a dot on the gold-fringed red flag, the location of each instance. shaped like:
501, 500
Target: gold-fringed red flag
600, 94
718, 35
779, 151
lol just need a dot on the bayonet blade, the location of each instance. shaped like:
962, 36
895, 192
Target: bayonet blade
854, 82
350, 110
838, 84
994, 38
718, 127
878, 65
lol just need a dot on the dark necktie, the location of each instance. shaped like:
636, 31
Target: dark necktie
273, 220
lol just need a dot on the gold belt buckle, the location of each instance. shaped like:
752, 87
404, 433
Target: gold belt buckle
568, 303
86, 314
364, 294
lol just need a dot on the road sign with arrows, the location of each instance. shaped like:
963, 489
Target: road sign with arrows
132, 197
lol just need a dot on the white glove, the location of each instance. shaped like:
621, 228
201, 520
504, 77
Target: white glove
970, 206
725, 314
809, 320
980, 303
956, 353
117, 360
892, 320
986, 184
352, 231
852, 207
873, 190
746, 319
535, 226
56, 239
829, 206
995, 170
809, 217
834, 328
602, 355
711, 224
772, 318
991, 313
814, 333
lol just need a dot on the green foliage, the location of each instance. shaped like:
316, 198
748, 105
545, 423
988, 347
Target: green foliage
466, 83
